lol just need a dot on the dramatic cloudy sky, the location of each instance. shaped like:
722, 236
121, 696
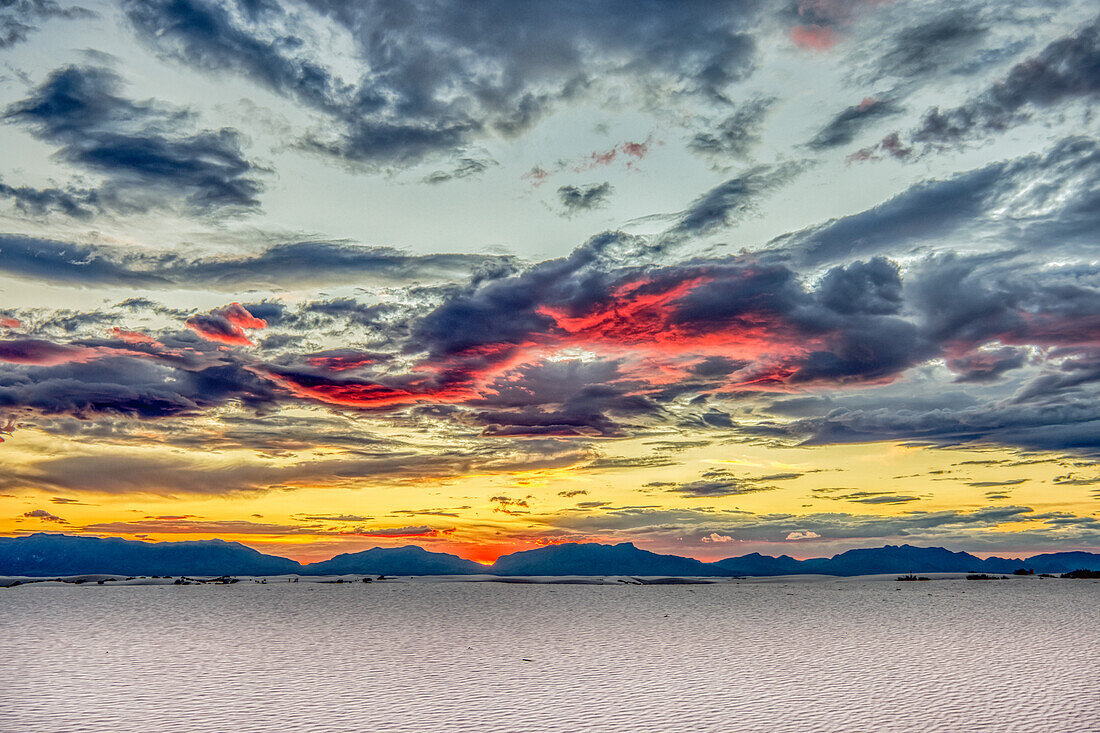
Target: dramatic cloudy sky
787, 276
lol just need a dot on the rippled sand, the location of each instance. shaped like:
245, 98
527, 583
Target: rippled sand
838, 655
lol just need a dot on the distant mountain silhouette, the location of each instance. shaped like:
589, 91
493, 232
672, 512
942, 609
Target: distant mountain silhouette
757, 564
895, 559
410, 560
1063, 562
594, 559
57, 554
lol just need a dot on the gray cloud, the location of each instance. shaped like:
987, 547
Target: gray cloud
280, 265
420, 92
849, 122
718, 483
577, 199
17, 18
1067, 69
143, 149
733, 200
736, 135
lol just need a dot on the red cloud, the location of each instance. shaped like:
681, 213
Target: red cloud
133, 337
226, 325
342, 360
643, 316
822, 18
814, 37
10, 323
607, 157
366, 393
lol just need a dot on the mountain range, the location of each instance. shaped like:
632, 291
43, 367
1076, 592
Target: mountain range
44, 554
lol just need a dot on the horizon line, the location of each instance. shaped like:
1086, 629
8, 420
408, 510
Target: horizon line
1017, 555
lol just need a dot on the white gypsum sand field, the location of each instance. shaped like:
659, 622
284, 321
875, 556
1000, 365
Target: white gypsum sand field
780, 654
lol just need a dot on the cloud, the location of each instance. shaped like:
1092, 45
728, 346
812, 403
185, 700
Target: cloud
78, 203
61, 379
736, 135
200, 474
508, 505
419, 92
226, 325
733, 200
930, 46
987, 484
821, 23
948, 527
849, 122
417, 531
987, 364
906, 220
17, 16
463, 168
142, 149
718, 483
877, 498
1063, 71
576, 199
188, 525
298, 264
44, 515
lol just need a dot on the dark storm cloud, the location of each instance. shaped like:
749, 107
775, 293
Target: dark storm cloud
143, 149
566, 398
987, 365
851, 318
281, 265
849, 122
860, 323
593, 410
19, 18
1067, 69
576, 199
129, 386
716, 366
736, 135
421, 91
872, 287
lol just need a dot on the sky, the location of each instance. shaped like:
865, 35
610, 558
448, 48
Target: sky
780, 276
